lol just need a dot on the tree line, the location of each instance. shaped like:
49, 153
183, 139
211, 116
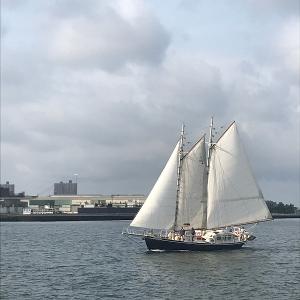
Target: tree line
281, 208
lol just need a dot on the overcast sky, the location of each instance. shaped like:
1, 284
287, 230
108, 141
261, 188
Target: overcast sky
100, 88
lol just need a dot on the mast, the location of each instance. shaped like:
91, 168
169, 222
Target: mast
210, 142
179, 168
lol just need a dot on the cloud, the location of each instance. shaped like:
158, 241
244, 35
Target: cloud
288, 45
108, 39
285, 8
101, 89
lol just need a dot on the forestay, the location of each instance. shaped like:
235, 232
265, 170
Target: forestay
158, 211
233, 194
193, 192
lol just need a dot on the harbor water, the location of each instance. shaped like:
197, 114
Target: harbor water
92, 260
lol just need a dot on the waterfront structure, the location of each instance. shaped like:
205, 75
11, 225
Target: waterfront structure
71, 203
12, 205
65, 188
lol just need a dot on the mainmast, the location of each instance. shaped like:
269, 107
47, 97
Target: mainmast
210, 142
179, 167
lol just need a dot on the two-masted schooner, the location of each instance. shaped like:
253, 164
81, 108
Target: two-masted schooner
202, 198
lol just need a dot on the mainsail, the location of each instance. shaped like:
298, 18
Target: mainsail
233, 195
158, 210
193, 192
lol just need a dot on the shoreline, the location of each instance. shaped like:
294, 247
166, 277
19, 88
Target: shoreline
285, 216
92, 217
64, 217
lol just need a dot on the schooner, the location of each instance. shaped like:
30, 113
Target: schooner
202, 198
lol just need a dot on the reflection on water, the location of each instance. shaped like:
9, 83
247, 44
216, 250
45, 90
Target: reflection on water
90, 260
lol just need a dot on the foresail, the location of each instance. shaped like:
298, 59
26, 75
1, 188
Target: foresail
233, 194
193, 192
158, 211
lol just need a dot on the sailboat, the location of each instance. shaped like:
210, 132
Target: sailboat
203, 198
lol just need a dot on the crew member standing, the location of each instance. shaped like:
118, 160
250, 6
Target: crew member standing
193, 233
182, 232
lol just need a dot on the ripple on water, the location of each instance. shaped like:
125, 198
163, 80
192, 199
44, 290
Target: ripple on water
92, 260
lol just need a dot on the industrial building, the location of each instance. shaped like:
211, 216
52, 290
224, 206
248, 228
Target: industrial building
64, 200
7, 189
71, 203
65, 188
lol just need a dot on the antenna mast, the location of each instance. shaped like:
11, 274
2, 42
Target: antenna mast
179, 167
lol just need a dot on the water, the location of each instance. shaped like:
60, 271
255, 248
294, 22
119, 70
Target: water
92, 260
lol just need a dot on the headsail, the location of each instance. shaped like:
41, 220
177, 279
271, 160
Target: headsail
159, 208
193, 193
233, 194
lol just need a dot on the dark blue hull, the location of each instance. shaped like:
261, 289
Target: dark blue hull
170, 245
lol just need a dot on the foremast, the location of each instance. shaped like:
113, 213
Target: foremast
179, 169
210, 143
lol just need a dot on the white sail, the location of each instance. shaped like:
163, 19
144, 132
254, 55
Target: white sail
233, 194
193, 192
158, 211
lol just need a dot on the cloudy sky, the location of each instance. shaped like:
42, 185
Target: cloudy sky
100, 88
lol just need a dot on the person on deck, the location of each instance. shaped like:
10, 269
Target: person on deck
193, 233
182, 232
